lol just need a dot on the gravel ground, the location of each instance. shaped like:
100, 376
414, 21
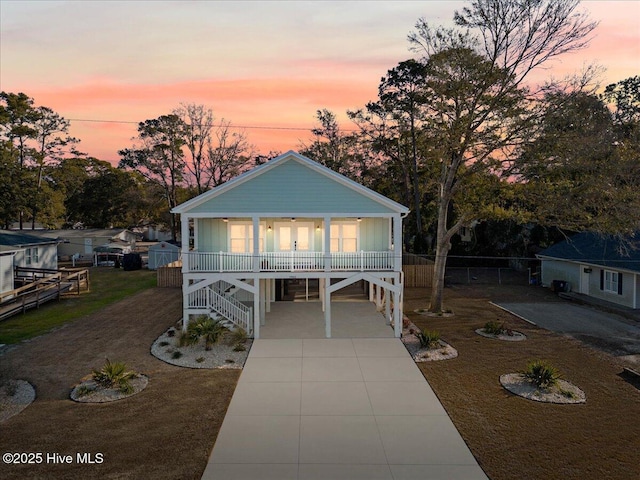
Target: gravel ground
15, 396
222, 354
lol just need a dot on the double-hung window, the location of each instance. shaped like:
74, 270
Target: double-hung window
344, 237
31, 255
611, 282
241, 237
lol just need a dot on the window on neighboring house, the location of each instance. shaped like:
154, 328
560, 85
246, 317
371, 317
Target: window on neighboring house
344, 237
611, 281
241, 237
31, 255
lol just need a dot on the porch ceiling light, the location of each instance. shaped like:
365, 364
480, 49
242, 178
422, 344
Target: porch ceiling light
359, 219
269, 227
225, 219
293, 219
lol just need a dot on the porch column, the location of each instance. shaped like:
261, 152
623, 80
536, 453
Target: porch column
263, 299
327, 312
387, 304
397, 318
184, 234
256, 244
256, 309
321, 291
327, 244
397, 242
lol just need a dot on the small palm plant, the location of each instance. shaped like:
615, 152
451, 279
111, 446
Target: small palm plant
541, 374
114, 375
203, 327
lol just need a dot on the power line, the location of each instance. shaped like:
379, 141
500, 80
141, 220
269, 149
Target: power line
261, 127
248, 127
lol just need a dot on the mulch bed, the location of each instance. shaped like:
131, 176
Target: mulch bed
515, 438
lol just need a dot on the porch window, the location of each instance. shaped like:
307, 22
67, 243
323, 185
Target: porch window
31, 255
344, 237
241, 237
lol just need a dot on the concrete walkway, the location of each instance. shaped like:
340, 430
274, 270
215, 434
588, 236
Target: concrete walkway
332, 409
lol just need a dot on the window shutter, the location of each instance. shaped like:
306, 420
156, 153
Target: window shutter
601, 279
619, 283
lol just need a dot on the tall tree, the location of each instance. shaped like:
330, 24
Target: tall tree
159, 157
198, 126
228, 154
477, 100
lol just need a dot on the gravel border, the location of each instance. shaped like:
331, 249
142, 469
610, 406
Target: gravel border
103, 395
11, 405
412, 344
518, 385
514, 337
222, 355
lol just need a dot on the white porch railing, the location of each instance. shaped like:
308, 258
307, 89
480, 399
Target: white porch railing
288, 261
230, 308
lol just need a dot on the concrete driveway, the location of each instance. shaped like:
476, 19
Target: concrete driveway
607, 331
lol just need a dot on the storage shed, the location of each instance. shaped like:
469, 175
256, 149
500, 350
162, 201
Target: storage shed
162, 253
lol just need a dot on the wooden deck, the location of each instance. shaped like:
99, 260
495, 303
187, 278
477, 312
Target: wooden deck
41, 286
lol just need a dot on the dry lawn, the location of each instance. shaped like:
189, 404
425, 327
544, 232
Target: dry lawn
168, 430
165, 432
515, 438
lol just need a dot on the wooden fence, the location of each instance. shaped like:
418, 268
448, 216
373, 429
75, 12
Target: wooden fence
170, 275
418, 275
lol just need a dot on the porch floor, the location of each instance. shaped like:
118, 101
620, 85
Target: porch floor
349, 319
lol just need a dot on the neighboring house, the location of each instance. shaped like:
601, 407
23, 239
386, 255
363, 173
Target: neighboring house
595, 265
290, 218
6, 268
162, 253
83, 242
32, 251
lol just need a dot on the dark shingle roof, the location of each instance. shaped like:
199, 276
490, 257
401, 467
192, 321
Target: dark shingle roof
20, 239
595, 249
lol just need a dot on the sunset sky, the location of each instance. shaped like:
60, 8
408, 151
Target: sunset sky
266, 66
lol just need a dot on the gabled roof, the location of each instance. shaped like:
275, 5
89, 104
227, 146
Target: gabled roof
594, 249
290, 184
19, 239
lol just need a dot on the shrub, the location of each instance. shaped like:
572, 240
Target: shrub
238, 336
83, 390
541, 373
428, 338
494, 328
114, 375
203, 327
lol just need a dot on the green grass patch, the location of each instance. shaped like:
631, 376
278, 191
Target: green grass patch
108, 285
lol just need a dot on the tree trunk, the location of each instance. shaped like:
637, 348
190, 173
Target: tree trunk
442, 250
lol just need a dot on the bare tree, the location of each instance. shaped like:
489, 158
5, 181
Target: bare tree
198, 125
227, 155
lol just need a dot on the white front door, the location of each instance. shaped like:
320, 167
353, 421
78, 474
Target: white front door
584, 279
294, 237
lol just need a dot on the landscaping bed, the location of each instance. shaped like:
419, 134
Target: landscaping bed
512, 437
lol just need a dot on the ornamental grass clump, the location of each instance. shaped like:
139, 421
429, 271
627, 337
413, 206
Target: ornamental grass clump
541, 374
428, 338
114, 375
494, 328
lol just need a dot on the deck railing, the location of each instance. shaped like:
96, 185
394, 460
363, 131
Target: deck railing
288, 261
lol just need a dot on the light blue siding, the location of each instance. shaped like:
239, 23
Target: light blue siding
291, 187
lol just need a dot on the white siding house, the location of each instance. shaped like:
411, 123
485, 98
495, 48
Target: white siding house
596, 266
290, 218
31, 251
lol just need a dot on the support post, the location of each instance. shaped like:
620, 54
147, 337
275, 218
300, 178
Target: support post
256, 313
327, 312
